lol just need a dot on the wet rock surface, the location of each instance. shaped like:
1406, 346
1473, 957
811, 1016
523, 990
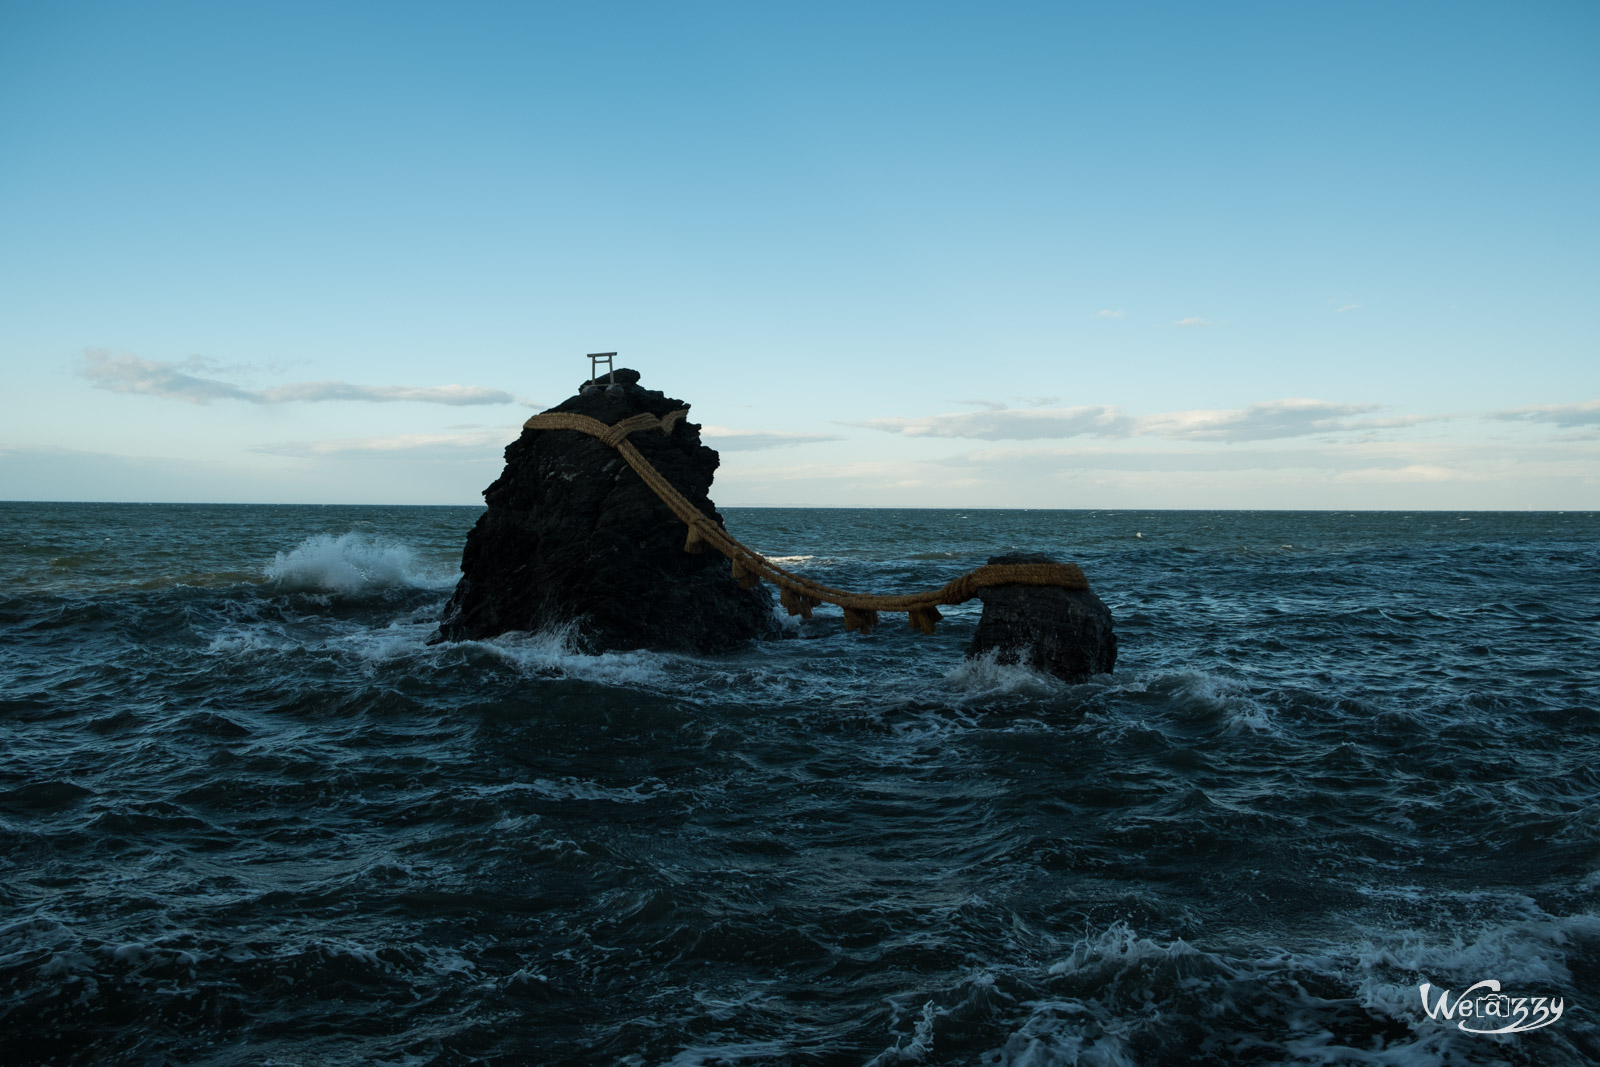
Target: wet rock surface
572, 536
1064, 632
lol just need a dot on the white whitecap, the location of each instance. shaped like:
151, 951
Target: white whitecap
985, 676
554, 651
350, 563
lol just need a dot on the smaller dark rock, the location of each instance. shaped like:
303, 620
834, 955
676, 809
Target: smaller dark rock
1065, 632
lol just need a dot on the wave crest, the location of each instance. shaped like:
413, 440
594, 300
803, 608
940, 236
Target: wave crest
350, 563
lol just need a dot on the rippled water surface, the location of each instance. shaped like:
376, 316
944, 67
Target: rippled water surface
247, 816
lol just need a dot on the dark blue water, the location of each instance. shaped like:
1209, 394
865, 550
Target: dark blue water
248, 817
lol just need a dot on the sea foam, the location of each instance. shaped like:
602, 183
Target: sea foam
350, 563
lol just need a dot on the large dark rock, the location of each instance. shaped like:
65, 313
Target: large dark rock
573, 536
1066, 632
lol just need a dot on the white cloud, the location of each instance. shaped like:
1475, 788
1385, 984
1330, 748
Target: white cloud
176, 381
1349, 307
1414, 472
129, 374
1134, 459
1584, 414
1265, 421
727, 439
859, 472
1273, 419
313, 392
1019, 424
1193, 320
482, 441
1107, 313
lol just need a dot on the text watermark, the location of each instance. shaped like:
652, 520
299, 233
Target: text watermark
1483, 1009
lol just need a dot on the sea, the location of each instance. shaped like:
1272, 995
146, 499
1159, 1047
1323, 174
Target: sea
1338, 804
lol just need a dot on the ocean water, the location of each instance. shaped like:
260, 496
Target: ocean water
247, 816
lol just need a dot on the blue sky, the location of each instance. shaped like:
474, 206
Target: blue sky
1047, 255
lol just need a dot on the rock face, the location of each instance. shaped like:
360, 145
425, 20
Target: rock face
1066, 632
573, 536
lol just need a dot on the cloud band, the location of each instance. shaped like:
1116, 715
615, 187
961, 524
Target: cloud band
146, 377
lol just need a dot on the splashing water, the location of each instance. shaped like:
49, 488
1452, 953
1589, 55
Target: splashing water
350, 563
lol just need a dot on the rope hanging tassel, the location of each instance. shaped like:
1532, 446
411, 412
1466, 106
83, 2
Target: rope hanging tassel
856, 619
799, 595
742, 574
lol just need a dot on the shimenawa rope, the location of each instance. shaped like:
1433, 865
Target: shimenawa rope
798, 594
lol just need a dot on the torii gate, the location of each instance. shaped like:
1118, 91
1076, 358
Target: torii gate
597, 358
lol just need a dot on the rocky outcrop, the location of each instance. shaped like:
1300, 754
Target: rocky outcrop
1065, 632
571, 535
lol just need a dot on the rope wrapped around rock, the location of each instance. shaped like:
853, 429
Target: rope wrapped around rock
798, 594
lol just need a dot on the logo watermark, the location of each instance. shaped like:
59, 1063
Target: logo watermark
1483, 1009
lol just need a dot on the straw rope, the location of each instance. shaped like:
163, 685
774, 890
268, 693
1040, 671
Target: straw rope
797, 593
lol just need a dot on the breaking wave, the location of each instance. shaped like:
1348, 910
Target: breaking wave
351, 563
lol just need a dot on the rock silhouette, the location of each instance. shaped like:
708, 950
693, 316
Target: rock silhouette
1065, 632
572, 537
